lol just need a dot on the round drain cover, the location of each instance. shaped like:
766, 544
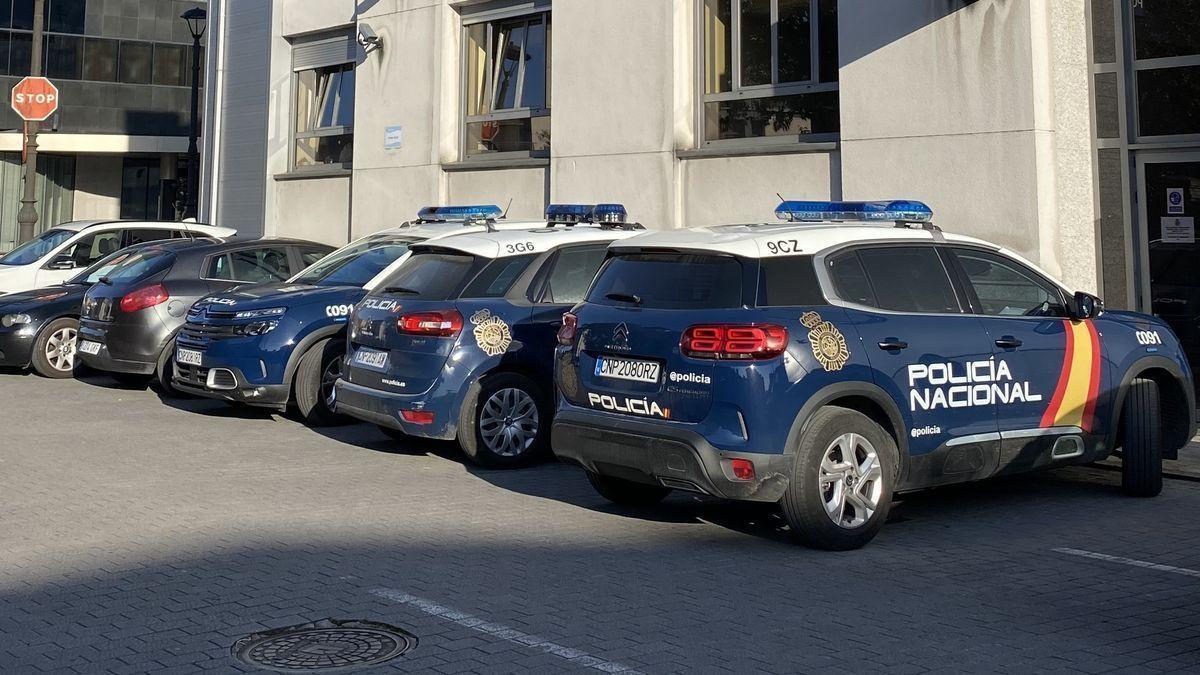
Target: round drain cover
328, 645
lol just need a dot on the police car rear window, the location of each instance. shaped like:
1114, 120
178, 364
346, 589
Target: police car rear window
669, 281
430, 276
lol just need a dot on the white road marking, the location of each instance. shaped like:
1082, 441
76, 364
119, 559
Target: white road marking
575, 656
1129, 561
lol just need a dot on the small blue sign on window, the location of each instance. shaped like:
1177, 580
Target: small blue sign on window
393, 138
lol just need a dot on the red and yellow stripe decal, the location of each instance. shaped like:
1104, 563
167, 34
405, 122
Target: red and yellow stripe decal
1074, 402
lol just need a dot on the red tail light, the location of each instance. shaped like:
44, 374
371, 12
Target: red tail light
726, 341
145, 297
569, 329
439, 324
422, 417
743, 469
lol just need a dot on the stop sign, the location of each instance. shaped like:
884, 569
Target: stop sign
35, 99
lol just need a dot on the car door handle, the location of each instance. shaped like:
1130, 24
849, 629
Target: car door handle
892, 344
1008, 342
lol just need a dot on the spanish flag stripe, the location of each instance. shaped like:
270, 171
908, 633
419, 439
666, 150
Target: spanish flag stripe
1089, 414
1052, 410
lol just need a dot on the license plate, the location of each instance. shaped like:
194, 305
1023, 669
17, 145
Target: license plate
189, 357
632, 370
89, 347
369, 358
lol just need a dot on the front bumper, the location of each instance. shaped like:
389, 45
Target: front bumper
16, 350
383, 408
654, 454
228, 384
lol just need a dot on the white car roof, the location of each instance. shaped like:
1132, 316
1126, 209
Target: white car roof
503, 244
201, 228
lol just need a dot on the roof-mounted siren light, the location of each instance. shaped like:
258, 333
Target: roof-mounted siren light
460, 214
568, 214
901, 211
614, 217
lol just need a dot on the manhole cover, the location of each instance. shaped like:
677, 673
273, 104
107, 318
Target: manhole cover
325, 646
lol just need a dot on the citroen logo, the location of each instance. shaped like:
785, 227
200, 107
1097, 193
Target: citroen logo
621, 334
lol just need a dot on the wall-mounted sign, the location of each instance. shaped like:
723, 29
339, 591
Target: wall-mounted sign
393, 138
1175, 201
1179, 230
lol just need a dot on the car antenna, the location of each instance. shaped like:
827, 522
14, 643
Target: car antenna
504, 216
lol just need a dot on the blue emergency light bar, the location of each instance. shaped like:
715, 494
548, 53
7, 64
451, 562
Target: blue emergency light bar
901, 211
459, 214
569, 214
610, 214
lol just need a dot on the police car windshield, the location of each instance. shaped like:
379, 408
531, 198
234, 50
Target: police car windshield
34, 249
431, 276
357, 264
669, 281
133, 267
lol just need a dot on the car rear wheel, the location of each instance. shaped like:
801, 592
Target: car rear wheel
54, 349
842, 481
319, 370
507, 423
626, 492
1141, 461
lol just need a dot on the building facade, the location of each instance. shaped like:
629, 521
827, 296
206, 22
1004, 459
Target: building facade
117, 145
1066, 130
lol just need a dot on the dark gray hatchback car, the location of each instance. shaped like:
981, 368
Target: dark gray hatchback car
129, 318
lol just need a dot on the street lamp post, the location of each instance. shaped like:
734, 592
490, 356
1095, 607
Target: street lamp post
27, 217
196, 19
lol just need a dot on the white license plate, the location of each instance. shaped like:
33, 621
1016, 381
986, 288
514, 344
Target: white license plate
370, 358
632, 370
189, 357
89, 347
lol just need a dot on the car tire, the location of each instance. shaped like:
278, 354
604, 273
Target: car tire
319, 369
832, 503
505, 426
54, 349
164, 371
626, 492
1142, 457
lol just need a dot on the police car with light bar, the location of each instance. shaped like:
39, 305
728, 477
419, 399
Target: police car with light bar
271, 345
458, 342
852, 352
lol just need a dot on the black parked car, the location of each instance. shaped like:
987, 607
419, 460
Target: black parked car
129, 321
38, 328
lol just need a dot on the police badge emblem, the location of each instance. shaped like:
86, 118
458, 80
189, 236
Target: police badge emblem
491, 333
828, 343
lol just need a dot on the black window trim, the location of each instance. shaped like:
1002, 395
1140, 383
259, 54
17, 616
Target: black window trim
830, 291
975, 307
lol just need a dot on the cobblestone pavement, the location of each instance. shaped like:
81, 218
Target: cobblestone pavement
143, 537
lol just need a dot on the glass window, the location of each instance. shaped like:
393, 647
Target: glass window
65, 16
134, 62
430, 276
4, 42
19, 53
909, 279
100, 60
310, 256
33, 250
507, 70
142, 235
325, 116
22, 14
669, 281
1104, 31
354, 265
788, 282
140, 188
5, 14
785, 84
170, 65
259, 265
1164, 28
1169, 101
64, 57
93, 247
572, 275
1007, 288
138, 265
850, 281
497, 277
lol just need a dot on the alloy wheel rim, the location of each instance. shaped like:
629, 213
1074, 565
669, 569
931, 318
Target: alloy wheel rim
850, 481
60, 349
508, 422
329, 378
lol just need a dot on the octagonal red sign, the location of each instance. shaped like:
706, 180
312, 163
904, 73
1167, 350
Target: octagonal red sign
35, 99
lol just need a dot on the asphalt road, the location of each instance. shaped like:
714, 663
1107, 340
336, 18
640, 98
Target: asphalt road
142, 535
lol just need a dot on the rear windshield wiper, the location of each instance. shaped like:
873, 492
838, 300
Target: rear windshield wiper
624, 297
401, 290
105, 280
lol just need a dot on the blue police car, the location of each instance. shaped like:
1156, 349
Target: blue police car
459, 341
273, 344
850, 353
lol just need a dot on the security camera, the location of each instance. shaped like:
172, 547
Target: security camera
368, 38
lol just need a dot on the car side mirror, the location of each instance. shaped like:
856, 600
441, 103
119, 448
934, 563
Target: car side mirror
62, 262
1086, 306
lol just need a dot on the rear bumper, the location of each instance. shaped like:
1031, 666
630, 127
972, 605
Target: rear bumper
124, 348
656, 455
228, 384
383, 408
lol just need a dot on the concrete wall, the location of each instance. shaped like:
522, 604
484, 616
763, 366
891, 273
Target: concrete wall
316, 209
97, 187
